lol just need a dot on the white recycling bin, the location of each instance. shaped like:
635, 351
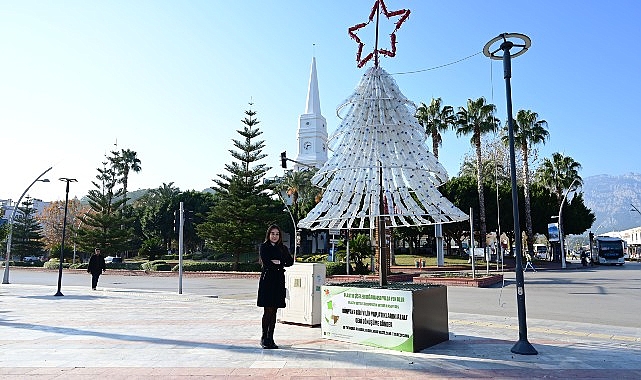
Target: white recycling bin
303, 282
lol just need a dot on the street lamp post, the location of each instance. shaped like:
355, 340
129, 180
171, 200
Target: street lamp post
5, 279
64, 227
295, 229
522, 346
563, 265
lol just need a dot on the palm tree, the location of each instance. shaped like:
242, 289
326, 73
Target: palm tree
166, 191
528, 131
558, 173
477, 120
124, 161
297, 185
435, 120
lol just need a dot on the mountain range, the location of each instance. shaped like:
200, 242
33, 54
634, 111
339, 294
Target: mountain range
614, 200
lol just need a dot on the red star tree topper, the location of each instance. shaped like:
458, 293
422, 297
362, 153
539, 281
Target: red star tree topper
379, 5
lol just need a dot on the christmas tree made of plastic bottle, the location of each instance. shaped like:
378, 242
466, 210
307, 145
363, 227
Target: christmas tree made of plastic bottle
381, 165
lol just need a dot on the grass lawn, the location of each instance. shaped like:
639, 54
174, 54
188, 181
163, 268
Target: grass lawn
410, 260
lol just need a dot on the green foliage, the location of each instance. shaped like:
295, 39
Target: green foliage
577, 218
151, 248
106, 226
477, 120
558, 174
79, 266
67, 254
312, 258
55, 264
435, 120
27, 235
297, 184
242, 208
218, 266
26, 264
125, 265
4, 230
156, 266
156, 211
333, 269
123, 162
360, 248
196, 205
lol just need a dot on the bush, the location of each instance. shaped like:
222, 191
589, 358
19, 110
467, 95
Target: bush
218, 266
312, 258
156, 266
55, 264
335, 268
79, 266
37, 263
125, 265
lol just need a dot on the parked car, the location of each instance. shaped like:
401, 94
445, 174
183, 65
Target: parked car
112, 259
27, 259
478, 252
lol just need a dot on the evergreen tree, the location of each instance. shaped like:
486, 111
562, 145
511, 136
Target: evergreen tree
242, 208
195, 204
27, 238
105, 226
156, 212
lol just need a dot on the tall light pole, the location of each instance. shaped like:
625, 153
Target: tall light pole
295, 228
64, 227
522, 346
5, 279
563, 265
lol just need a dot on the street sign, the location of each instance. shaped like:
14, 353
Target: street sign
334, 241
334, 231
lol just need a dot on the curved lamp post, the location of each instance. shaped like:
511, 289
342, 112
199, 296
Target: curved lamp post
64, 227
563, 265
295, 228
5, 279
503, 53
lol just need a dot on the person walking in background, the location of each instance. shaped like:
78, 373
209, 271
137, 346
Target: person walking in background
96, 267
274, 257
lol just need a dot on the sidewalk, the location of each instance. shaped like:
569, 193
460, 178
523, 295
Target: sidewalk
133, 334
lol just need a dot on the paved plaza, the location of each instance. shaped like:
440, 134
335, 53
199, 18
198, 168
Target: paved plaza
129, 333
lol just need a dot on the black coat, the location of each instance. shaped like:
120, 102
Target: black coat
96, 264
271, 287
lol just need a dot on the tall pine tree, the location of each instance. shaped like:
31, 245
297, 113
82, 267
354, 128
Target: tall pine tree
242, 209
27, 232
105, 225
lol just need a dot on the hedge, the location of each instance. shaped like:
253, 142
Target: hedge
156, 266
217, 266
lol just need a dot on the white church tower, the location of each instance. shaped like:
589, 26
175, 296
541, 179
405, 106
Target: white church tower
312, 128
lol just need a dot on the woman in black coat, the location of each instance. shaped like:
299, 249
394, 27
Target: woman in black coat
274, 256
96, 267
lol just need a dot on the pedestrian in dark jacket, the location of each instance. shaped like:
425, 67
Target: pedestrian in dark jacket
96, 267
274, 256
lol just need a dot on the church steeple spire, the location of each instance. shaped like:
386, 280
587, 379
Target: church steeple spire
312, 128
313, 100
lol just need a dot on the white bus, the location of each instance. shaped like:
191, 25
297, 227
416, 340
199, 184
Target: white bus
608, 250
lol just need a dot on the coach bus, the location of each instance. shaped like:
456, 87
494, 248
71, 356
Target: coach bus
608, 250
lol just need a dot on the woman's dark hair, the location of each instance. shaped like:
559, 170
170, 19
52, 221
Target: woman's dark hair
280, 234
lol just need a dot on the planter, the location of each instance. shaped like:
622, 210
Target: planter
404, 317
478, 282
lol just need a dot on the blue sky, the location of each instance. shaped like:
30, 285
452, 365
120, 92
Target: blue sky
171, 79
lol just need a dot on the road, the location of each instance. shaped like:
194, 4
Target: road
600, 295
